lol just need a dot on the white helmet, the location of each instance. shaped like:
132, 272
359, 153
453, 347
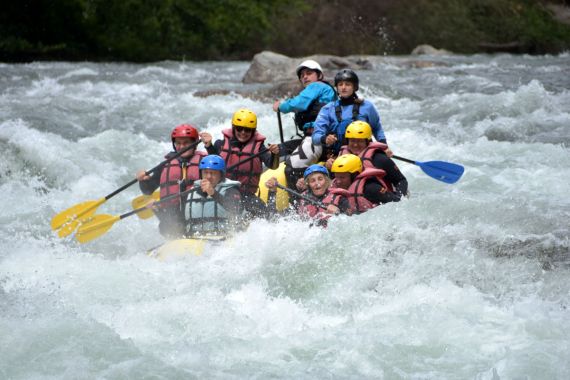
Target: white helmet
308, 64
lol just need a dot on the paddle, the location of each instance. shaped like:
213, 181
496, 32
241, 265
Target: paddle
280, 126
305, 197
68, 220
99, 224
442, 171
144, 200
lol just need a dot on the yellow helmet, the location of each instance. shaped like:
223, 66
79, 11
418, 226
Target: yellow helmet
347, 163
358, 130
245, 118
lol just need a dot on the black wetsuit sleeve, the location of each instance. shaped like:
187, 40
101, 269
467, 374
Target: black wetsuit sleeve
393, 173
269, 159
215, 148
149, 186
376, 193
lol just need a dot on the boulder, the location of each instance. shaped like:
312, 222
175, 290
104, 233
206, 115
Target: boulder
429, 50
270, 67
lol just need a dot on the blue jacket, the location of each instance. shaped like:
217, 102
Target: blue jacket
316, 92
327, 122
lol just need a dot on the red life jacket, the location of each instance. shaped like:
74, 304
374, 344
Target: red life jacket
358, 203
249, 172
332, 196
367, 154
172, 176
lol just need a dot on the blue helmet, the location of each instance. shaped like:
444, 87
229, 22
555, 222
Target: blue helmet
213, 162
315, 169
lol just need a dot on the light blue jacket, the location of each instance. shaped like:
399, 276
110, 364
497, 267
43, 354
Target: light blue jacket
318, 92
327, 122
206, 216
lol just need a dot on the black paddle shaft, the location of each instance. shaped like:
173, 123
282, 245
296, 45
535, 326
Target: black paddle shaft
132, 182
280, 126
308, 199
404, 159
250, 158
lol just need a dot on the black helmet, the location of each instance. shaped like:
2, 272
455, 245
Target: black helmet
346, 75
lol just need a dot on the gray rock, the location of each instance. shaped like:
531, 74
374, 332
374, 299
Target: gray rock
429, 50
270, 67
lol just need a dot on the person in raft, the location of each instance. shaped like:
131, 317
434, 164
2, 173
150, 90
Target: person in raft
306, 106
373, 154
320, 201
331, 123
177, 175
214, 208
240, 142
366, 186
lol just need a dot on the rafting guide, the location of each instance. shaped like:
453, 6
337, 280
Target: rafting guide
306, 105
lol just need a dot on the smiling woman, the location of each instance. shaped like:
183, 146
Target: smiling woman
319, 202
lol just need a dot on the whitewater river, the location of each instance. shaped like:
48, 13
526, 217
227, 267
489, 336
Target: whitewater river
463, 281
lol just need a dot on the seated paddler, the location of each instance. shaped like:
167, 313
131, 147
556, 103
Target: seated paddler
175, 176
214, 208
320, 200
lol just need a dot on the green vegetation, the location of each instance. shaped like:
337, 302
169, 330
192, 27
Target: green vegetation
151, 30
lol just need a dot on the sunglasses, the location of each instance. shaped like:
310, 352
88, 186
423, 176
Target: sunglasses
243, 129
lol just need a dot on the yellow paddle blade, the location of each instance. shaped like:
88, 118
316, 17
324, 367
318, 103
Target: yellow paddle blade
70, 227
73, 216
142, 201
95, 227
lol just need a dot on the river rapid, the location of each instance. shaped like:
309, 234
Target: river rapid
463, 281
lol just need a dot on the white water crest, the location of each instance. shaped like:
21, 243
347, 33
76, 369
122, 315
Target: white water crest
459, 281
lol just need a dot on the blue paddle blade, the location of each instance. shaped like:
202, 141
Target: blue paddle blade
442, 171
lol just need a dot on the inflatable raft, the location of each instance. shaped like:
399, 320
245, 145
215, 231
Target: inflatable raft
185, 247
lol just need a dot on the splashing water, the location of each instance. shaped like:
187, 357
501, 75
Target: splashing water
458, 281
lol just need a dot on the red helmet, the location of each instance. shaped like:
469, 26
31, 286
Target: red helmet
184, 130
